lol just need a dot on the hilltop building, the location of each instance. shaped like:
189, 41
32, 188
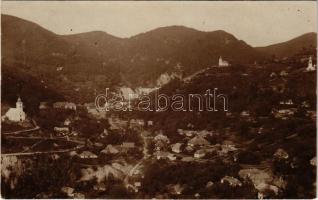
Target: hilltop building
223, 63
310, 66
16, 114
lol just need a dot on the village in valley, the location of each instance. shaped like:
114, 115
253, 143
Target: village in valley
158, 100
108, 154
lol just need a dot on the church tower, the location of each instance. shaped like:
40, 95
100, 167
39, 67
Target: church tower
19, 104
16, 114
310, 62
19, 110
223, 63
310, 66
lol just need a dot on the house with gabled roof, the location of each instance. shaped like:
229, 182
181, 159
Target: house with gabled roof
198, 141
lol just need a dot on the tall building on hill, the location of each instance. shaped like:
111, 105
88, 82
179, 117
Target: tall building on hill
310, 66
223, 63
16, 114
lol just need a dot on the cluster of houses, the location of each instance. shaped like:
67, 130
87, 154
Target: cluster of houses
194, 145
94, 153
288, 108
65, 129
64, 105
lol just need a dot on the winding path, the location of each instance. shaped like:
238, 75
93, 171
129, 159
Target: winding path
145, 157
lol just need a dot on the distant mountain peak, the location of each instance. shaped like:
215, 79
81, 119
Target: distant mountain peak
93, 34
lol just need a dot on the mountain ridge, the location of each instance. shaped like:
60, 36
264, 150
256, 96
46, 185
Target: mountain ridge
291, 46
155, 29
94, 60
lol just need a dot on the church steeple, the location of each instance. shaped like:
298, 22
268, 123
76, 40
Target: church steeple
19, 104
310, 66
223, 63
310, 62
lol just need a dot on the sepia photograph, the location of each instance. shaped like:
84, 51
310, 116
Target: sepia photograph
158, 99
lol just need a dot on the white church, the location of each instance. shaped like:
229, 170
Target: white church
310, 66
16, 114
223, 63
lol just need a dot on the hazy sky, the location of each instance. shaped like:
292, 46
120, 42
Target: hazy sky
257, 23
